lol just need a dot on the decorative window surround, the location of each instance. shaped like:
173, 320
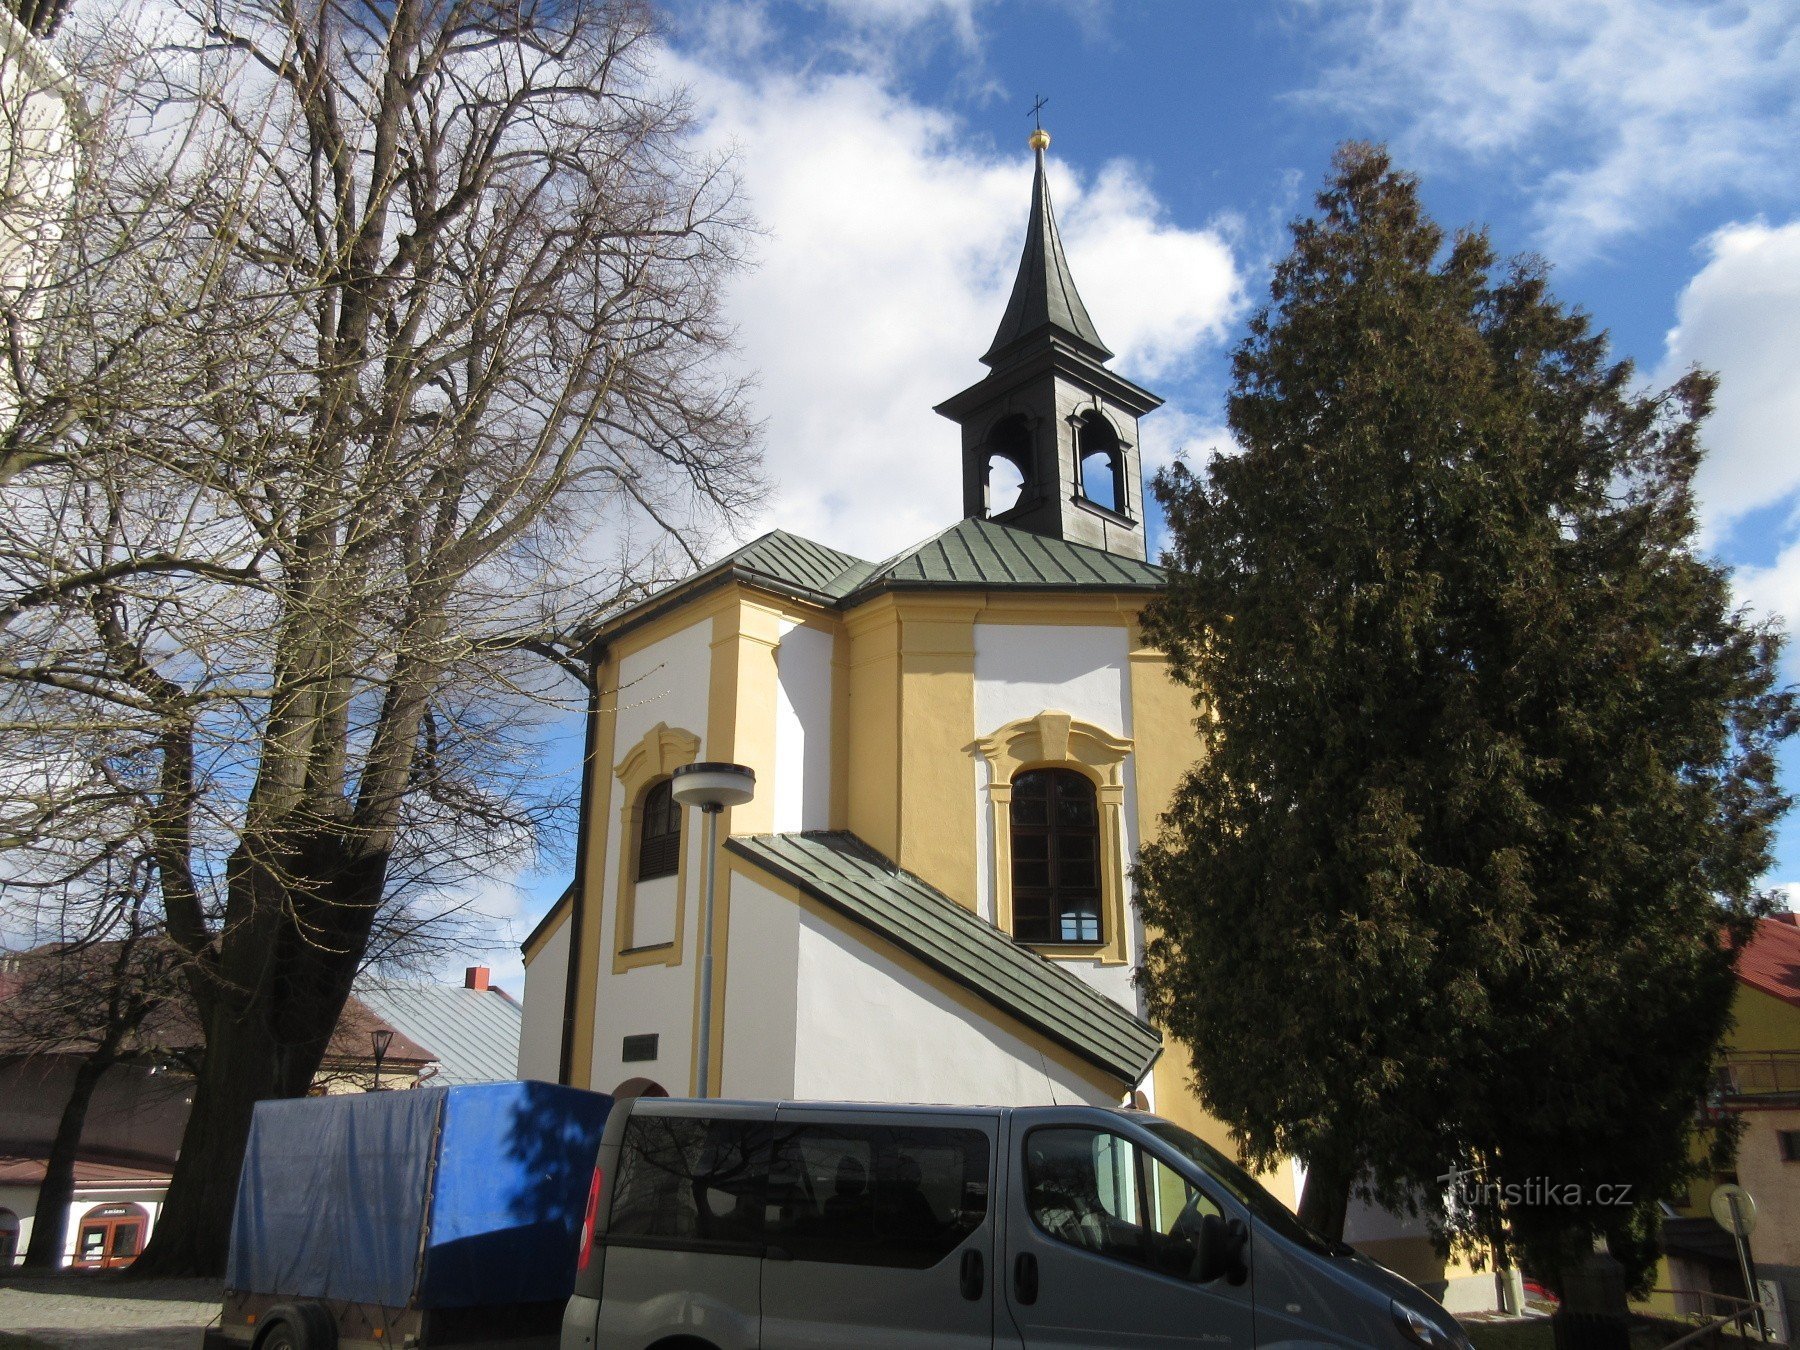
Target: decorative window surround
663, 750
1055, 739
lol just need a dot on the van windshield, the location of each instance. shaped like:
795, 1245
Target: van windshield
1243, 1187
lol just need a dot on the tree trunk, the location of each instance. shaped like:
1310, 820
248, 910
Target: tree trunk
50, 1227
1325, 1203
286, 971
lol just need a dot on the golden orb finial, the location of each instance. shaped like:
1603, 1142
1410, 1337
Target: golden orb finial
1040, 139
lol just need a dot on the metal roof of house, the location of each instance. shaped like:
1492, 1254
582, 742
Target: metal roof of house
986, 553
839, 870
972, 554
474, 1033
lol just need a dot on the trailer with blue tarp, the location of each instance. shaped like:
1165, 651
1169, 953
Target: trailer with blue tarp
430, 1217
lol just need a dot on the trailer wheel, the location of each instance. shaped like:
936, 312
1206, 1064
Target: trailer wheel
297, 1326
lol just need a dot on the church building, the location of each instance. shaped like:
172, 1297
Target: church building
958, 752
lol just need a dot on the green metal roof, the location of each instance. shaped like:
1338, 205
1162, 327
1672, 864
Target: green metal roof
839, 870
971, 555
985, 553
799, 562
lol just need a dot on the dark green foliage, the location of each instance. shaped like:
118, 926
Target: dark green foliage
1489, 775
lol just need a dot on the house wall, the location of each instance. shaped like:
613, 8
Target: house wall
871, 1025
758, 1052
804, 663
541, 1031
22, 1201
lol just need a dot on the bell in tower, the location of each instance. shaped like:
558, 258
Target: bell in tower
1049, 415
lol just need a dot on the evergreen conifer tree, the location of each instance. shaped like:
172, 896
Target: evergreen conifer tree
1489, 774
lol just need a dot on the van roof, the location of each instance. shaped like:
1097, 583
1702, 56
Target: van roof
688, 1104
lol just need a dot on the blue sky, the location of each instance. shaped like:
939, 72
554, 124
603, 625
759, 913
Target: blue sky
1645, 149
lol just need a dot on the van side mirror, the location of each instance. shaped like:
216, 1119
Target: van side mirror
1219, 1251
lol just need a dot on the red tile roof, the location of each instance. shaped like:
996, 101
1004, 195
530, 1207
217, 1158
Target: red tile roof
1771, 962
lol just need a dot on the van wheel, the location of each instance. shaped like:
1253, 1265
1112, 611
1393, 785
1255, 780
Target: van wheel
298, 1326
684, 1343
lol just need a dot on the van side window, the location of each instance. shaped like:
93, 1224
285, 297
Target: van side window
874, 1194
686, 1182
1099, 1191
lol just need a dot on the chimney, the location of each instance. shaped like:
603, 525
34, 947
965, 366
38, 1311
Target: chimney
1788, 917
476, 977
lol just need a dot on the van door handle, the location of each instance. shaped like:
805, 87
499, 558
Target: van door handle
1025, 1284
972, 1274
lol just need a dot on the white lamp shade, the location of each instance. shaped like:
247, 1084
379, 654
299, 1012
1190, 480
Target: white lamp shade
713, 786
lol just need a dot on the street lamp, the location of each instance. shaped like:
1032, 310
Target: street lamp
712, 788
380, 1039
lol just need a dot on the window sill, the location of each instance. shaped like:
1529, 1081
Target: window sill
1105, 512
1073, 951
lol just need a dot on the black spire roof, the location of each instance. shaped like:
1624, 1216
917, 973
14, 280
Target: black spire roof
1044, 294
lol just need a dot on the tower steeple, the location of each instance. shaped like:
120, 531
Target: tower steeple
1043, 294
1049, 410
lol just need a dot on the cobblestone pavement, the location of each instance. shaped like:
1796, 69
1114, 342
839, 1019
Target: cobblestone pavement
104, 1312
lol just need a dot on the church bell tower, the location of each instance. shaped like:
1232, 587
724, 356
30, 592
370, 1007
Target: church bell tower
1049, 411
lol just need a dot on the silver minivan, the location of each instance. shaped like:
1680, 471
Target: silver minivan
807, 1226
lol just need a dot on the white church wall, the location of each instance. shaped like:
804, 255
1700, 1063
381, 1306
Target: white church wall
984, 843
1023, 669
803, 730
669, 681
653, 910
869, 1029
540, 1035
644, 1000
757, 1059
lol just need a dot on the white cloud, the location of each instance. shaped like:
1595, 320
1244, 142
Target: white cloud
890, 246
1740, 316
1774, 591
1610, 111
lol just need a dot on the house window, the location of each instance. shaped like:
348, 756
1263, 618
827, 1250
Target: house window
1055, 858
1102, 464
659, 833
1789, 1143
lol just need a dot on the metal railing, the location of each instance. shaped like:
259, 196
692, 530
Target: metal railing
1745, 1311
1760, 1073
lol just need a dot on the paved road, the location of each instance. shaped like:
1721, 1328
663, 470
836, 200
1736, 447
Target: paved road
103, 1312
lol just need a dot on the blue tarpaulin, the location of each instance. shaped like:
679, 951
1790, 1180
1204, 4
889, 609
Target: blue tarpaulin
430, 1198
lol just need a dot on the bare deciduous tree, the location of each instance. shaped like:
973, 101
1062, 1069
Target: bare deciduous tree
86, 999
382, 348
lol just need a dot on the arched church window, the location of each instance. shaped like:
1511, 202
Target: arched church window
659, 833
1055, 858
1102, 463
1008, 469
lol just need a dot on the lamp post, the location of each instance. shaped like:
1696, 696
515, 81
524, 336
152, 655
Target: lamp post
712, 788
379, 1040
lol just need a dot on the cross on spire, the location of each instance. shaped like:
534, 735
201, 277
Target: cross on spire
1036, 109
